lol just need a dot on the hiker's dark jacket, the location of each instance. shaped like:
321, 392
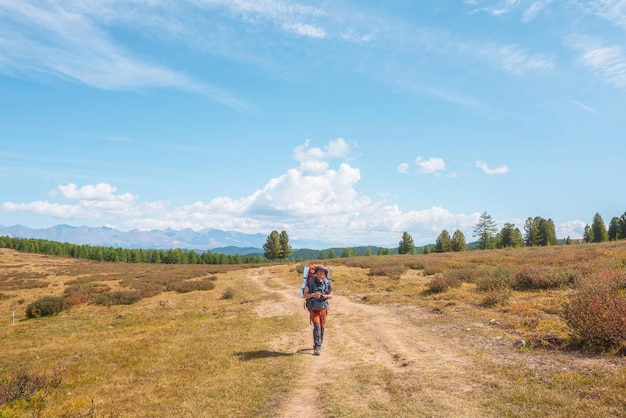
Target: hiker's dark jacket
324, 287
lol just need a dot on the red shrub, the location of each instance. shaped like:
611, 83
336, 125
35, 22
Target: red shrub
597, 316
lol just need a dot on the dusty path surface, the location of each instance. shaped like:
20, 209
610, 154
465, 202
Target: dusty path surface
394, 340
398, 360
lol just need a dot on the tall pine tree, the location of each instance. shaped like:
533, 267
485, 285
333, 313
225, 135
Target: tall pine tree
598, 227
285, 248
485, 230
443, 243
406, 245
458, 241
272, 248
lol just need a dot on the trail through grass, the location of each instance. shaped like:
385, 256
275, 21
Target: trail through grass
244, 349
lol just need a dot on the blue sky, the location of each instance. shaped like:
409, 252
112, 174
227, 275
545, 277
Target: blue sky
347, 121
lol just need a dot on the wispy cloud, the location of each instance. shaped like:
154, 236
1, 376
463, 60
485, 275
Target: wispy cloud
499, 170
534, 9
55, 39
612, 10
584, 106
78, 40
305, 30
608, 62
283, 14
514, 59
528, 9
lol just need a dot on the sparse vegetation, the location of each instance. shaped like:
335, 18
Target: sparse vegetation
597, 316
46, 306
229, 293
442, 282
512, 325
118, 297
391, 271
530, 277
499, 280
25, 384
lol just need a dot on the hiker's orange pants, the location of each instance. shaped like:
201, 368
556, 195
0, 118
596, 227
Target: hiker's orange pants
318, 316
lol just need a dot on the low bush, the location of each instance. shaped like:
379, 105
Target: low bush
463, 274
530, 277
495, 296
185, 286
145, 288
229, 293
597, 316
415, 265
442, 282
76, 294
119, 297
393, 271
431, 271
24, 384
497, 281
46, 306
207, 283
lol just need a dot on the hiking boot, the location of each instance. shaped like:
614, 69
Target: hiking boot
317, 350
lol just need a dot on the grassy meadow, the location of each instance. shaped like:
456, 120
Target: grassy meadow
543, 329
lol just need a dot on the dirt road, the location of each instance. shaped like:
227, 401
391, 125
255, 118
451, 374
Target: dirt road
402, 347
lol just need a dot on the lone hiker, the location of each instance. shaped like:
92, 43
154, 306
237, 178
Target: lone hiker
317, 292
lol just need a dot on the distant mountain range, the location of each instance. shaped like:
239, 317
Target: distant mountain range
217, 241
227, 242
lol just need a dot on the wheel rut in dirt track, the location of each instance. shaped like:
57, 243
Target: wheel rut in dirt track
386, 337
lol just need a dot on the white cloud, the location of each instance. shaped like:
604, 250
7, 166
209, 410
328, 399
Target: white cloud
505, 7
607, 62
303, 201
612, 10
305, 30
430, 166
70, 41
42, 207
499, 170
572, 229
99, 192
514, 59
313, 160
534, 9
89, 202
584, 106
403, 168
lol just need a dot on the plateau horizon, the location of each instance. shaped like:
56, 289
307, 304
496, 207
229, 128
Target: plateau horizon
206, 239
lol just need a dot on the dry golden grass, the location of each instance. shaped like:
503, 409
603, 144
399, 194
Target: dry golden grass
189, 354
394, 348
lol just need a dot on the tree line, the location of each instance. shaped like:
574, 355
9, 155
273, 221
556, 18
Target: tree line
277, 247
597, 231
125, 255
537, 232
